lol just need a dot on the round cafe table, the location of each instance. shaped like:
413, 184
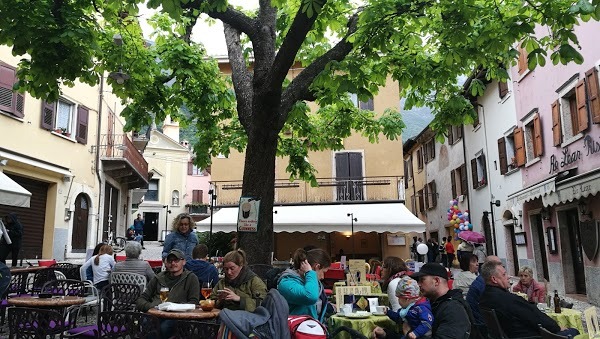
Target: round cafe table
54, 302
365, 325
568, 318
26, 269
197, 314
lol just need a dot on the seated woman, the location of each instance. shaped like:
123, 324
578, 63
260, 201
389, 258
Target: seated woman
102, 264
240, 289
301, 286
536, 292
393, 269
469, 266
133, 263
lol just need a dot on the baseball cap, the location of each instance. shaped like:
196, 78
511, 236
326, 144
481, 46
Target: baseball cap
177, 253
433, 269
408, 288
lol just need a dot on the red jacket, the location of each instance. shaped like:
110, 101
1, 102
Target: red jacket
536, 294
449, 248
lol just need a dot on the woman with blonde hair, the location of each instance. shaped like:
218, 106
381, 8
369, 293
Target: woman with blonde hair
182, 237
102, 264
240, 289
536, 292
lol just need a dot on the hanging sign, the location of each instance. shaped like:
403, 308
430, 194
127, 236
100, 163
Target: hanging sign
248, 214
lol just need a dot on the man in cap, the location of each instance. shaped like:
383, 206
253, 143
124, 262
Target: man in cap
182, 284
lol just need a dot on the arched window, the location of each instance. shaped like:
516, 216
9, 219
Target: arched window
175, 198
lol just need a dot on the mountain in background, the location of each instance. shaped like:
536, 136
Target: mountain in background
415, 119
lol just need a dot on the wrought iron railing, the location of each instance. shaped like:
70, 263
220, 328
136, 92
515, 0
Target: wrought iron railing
119, 146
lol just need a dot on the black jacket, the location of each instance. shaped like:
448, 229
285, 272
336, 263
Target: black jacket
451, 316
517, 316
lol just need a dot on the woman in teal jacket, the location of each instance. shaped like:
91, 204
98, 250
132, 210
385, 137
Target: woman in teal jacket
301, 285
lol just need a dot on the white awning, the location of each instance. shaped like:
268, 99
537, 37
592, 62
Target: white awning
371, 217
577, 187
535, 191
13, 194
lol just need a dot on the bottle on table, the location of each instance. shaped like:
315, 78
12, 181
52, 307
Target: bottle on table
556, 302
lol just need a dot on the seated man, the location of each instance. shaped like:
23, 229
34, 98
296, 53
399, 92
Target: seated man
517, 317
182, 284
205, 271
133, 263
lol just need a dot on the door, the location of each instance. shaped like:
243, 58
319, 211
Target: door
515, 255
80, 224
576, 250
537, 220
349, 176
150, 226
111, 210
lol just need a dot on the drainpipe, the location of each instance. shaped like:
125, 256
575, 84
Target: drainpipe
98, 131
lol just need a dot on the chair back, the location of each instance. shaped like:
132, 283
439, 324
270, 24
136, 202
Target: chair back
549, 335
591, 321
40, 278
186, 329
71, 271
65, 287
119, 296
125, 324
26, 322
495, 330
18, 284
128, 278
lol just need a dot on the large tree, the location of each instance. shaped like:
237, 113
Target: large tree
335, 46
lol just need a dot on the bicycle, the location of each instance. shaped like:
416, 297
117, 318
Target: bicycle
117, 243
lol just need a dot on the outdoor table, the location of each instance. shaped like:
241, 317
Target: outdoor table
28, 269
568, 318
58, 302
197, 314
364, 325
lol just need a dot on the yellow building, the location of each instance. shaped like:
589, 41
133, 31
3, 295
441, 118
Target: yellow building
74, 159
362, 173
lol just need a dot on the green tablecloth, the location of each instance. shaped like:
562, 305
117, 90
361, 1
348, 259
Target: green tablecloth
364, 326
568, 318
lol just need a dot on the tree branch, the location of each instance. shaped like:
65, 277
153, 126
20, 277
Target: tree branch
299, 87
230, 16
292, 42
240, 76
263, 45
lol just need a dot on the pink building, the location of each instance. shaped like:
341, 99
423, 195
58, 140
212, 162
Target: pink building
197, 199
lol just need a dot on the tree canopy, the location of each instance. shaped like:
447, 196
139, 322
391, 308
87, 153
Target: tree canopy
342, 46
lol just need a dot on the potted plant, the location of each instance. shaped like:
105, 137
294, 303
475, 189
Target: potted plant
197, 208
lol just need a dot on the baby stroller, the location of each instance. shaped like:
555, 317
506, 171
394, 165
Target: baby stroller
269, 320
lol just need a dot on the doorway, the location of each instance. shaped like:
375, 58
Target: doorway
538, 239
150, 226
111, 210
515, 255
80, 224
575, 250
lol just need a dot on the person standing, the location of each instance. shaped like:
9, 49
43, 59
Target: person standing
449, 252
444, 256
15, 232
182, 237
138, 226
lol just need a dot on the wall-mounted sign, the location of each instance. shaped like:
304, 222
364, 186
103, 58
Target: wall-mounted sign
568, 158
248, 214
520, 239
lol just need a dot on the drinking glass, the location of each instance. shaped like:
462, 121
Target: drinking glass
164, 294
206, 290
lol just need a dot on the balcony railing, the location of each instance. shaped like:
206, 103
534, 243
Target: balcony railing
380, 188
122, 161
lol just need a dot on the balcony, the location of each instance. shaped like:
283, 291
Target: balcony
122, 161
380, 188
140, 139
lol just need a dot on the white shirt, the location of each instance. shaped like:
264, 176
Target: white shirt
391, 292
103, 269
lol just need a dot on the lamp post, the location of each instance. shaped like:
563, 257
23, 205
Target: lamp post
167, 212
213, 201
492, 203
352, 220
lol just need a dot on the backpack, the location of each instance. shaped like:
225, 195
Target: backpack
306, 327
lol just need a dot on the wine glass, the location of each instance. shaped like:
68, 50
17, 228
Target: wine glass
206, 290
164, 294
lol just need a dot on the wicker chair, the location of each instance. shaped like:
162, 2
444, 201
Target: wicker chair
39, 279
128, 278
124, 324
192, 329
120, 296
33, 323
67, 287
71, 271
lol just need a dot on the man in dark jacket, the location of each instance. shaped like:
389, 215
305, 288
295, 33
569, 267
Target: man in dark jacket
517, 317
15, 232
205, 271
474, 295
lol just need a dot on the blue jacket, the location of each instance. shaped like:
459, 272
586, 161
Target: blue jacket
182, 242
420, 318
205, 271
473, 296
303, 293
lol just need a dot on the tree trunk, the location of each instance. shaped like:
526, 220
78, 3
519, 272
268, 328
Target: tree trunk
259, 181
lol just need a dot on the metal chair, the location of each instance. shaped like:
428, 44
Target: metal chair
119, 296
39, 279
192, 329
70, 271
124, 324
494, 327
549, 335
66, 287
128, 278
34, 323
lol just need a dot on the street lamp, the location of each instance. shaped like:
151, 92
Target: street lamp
352, 220
167, 212
213, 201
497, 204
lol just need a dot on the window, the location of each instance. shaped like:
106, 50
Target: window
421, 201
454, 134
152, 193
195, 170
458, 177
10, 101
408, 171
593, 91
502, 89
366, 105
506, 153
522, 60
429, 150
478, 171
430, 195
197, 196
569, 112
175, 198
349, 176
66, 118
528, 141
477, 109
419, 159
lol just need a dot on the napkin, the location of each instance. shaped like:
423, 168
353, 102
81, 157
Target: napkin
169, 306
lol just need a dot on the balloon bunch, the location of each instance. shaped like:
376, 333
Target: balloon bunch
460, 220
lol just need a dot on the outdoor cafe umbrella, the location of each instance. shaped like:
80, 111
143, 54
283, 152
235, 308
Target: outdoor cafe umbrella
472, 237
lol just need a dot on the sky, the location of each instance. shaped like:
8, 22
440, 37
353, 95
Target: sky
210, 35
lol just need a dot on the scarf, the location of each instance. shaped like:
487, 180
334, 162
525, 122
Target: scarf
402, 312
245, 275
387, 281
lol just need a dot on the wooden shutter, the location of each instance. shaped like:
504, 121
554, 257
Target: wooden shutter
556, 128
342, 171
483, 168
538, 145
453, 180
450, 136
474, 173
580, 98
425, 153
593, 90
197, 196
502, 155
48, 113
411, 170
426, 196
433, 194
190, 168
405, 173
83, 115
522, 60
463, 178
419, 159
502, 89
458, 133
7, 79
431, 149
476, 108
421, 204
519, 139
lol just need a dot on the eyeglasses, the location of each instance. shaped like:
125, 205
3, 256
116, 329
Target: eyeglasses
172, 260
